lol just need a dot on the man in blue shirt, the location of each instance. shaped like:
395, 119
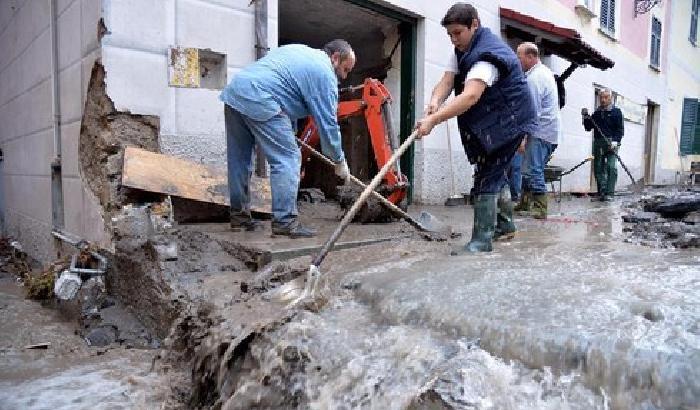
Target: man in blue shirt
540, 145
260, 105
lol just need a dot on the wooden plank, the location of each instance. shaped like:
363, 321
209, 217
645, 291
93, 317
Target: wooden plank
166, 174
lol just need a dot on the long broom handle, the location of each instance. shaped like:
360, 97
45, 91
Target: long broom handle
361, 200
398, 211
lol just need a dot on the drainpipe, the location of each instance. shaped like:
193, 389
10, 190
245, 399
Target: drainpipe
261, 49
56, 180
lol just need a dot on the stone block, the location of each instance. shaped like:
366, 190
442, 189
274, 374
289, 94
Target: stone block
70, 139
69, 35
139, 24
73, 205
34, 65
199, 112
70, 90
136, 81
196, 21
32, 19
91, 12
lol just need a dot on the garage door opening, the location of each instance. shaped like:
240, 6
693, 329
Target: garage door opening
384, 43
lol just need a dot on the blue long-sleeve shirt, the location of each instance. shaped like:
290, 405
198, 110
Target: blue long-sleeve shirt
543, 90
295, 79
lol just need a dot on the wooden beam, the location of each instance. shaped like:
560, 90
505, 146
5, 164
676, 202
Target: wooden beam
166, 174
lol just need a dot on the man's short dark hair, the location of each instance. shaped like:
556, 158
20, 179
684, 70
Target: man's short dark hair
338, 46
460, 13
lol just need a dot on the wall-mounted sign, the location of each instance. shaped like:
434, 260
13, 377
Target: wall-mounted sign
632, 111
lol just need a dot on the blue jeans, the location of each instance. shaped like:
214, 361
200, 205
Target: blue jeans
278, 142
537, 152
515, 176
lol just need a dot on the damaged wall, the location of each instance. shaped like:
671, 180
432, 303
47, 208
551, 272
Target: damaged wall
26, 134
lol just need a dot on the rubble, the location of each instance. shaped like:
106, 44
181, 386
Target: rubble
665, 220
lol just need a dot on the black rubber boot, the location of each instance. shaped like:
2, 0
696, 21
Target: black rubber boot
292, 229
484, 225
243, 221
505, 227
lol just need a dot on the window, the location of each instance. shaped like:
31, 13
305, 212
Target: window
655, 56
694, 22
607, 16
690, 127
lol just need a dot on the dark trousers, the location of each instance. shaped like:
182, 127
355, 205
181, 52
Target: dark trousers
492, 169
604, 167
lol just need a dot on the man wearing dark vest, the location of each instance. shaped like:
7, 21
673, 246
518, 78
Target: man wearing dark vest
611, 123
494, 112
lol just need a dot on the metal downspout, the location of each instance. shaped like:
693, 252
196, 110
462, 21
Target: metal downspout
261, 48
57, 214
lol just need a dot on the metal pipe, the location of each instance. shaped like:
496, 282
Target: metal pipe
82, 244
57, 212
261, 49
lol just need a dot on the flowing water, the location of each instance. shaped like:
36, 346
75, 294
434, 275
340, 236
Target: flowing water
565, 316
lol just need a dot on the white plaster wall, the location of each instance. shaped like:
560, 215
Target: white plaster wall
135, 58
26, 136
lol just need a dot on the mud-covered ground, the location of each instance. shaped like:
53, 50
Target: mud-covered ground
569, 314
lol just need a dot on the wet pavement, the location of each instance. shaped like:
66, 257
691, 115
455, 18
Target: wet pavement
567, 315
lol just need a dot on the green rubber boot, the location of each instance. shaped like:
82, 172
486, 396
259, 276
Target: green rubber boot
539, 206
525, 205
484, 225
505, 227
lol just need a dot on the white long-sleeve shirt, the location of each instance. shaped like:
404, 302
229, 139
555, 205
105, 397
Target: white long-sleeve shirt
543, 89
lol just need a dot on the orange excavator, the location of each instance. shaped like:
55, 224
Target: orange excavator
374, 104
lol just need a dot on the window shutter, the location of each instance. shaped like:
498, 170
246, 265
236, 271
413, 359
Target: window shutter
694, 22
655, 55
696, 138
611, 16
604, 13
690, 127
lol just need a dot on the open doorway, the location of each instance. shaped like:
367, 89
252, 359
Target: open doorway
384, 42
650, 140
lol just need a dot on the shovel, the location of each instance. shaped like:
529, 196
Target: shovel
314, 273
428, 222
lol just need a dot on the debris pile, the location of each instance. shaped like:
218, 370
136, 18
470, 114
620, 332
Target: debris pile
667, 220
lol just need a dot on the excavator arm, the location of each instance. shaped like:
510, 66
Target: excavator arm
375, 106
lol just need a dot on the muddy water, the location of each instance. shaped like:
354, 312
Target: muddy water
67, 374
565, 316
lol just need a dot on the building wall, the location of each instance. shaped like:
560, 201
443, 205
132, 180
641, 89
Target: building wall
142, 31
683, 82
26, 133
192, 121
135, 55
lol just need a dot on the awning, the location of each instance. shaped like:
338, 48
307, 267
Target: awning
564, 42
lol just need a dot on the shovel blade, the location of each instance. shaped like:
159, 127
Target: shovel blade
431, 223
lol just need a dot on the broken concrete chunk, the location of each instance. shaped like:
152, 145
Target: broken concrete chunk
102, 336
166, 252
692, 218
640, 217
67, 285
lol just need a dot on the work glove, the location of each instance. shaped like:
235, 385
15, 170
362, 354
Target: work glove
584, 113
341, 170
614, 145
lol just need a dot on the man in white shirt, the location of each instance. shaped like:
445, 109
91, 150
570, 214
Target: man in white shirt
540, 145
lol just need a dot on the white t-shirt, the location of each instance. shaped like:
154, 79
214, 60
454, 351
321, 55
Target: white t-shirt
482, 70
